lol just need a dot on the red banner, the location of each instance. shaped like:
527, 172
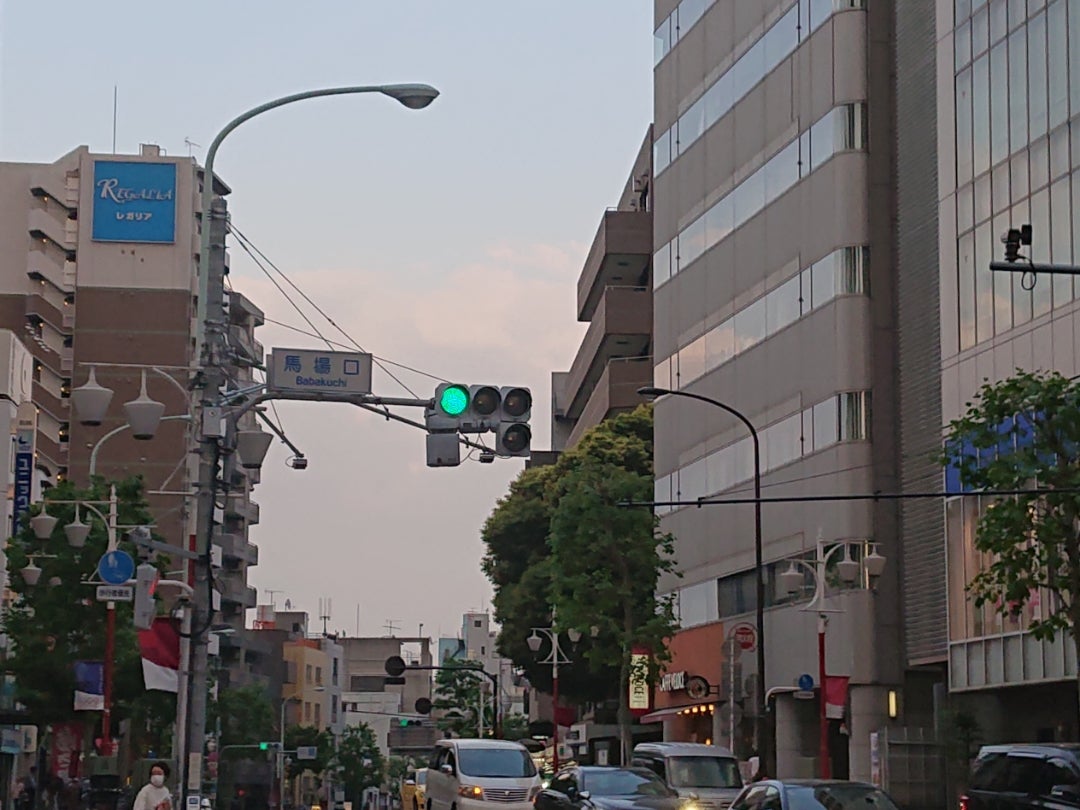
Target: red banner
836, 687
64, 753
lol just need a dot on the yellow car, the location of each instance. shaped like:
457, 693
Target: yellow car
412, 790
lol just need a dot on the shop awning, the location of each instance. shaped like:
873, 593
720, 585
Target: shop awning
666, 714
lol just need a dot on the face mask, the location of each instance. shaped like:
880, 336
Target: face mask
157, 780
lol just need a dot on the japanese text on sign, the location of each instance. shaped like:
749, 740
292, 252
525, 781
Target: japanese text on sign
323, 372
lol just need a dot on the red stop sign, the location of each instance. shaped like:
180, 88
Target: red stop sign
746, 636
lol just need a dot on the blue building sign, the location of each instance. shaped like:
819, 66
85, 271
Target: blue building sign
134, 202
24, 477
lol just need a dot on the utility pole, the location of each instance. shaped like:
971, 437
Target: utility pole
210, 429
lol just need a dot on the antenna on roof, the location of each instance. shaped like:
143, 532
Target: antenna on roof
115, 93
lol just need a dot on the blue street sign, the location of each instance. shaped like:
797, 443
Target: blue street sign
116, 567
806, 682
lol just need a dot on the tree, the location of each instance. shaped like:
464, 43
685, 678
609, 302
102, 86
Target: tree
519, 558
608, 560
457, 699
245, 714
58, 621
515, 727
1024, 433
359, 761
308, 736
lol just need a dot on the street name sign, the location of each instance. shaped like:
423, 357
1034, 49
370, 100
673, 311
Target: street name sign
115, 593
318, 372
307, 752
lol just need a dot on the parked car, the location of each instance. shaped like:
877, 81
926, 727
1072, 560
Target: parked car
470, 774
707, 773
812, 794
607, 788
412, 790
1009, 777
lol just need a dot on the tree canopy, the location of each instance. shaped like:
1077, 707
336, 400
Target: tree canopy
457, 700
1023, 433
559, 540
358, 761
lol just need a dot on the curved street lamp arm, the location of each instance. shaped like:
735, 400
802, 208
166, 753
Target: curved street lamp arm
183, 417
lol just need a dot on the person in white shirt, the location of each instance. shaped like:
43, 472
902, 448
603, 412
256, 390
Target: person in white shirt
155, 796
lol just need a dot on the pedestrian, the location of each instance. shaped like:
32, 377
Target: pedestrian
154, 795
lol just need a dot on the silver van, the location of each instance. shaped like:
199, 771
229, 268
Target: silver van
708, 774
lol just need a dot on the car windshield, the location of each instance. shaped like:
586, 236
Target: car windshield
505, 762
837, 797
704, 772
421, 777
621, 782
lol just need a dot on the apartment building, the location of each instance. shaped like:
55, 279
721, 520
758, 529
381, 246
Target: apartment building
99, 258
774, 277
614, 297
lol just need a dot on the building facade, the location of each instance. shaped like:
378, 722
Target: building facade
774, 279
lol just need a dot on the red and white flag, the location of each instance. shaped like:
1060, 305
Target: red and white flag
160, 650
836, 689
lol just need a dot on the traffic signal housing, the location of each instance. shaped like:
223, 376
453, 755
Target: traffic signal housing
513, 436
144, 603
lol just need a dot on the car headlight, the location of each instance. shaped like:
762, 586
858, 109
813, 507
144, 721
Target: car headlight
691, 805
471, 792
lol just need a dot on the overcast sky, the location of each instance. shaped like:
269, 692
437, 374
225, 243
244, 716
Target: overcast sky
448, 239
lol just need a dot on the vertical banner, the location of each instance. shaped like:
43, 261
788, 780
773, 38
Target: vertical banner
639, 697
25, 430
65, 750
89, 686
875, 759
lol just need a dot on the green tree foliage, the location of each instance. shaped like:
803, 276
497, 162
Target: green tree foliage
558, 539
515, 727
59, 621
302, 736
396, 769
359, 762
246, 715
457, 700
1023, 433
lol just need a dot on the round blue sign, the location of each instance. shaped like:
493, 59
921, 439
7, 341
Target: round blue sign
806, 682
116, 567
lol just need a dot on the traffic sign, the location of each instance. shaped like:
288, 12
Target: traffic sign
115, 593
806, 682
745, 635
318, 372
116, 567
307, 752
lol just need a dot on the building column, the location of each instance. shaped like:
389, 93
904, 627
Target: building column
790, 762
868, 713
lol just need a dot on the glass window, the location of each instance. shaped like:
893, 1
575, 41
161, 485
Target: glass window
999, 104
1061, 230
783, 442
980, 31
963, 10
662, 40
838, 795
1074, 55
737, 594
1040, 224
1003, 286
962, 45
692, 242
719, 99
662, 265
662, 373
1037, 117
697, 603
692, 122
1000, 188
1040, 163
719, 221
982, 199
963, 128
823, 279
691, 362
622, 782
781, 173
749, 197
980, 114
999, 20
855, 271
1059, 152
1017, 13
966, 289
1018, 116
1018, 176
984, 283
719, 344
1022, 302
1057, 57
693, 480
965, 208
854, 416
749, 326
510, 763
782, 306
825, 423
705, 772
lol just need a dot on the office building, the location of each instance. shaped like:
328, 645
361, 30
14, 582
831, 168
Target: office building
614, 297
774, 279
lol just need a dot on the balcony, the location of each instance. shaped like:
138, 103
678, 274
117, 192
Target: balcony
241, 507
48, 268
235, 547
234, 589
44, 226
619, 256
621, 327
58, 408
39, 308
616, 391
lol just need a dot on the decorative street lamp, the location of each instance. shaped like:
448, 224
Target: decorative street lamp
555, 657
849, 570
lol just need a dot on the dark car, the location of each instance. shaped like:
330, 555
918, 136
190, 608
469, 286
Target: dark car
1009, 777
812, 794
608, 789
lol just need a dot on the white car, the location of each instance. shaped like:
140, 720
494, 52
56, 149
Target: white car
474, 774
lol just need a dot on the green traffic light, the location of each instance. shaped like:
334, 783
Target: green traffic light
454, 400
263, 746
403, 722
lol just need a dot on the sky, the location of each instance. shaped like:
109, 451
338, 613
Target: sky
448, 239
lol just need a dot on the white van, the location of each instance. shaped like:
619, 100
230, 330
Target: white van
471, 774
708, 774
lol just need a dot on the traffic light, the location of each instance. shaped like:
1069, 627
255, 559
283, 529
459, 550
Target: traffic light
146, 580
451, 401
513, 436
405, 722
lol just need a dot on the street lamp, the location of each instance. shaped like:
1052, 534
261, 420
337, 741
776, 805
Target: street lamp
652, 392
555, 657
791, 581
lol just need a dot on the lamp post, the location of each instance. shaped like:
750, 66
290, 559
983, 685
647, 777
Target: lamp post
759, 567
848, 570
555, 657
209, 355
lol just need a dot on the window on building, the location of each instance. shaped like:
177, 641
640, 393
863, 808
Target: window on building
307, 674
334, 673
318, 714
333, 708
307, 712
318, 676
477, 623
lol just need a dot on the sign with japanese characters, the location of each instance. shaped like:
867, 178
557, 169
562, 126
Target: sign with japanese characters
134, 202
312, 371
22, 489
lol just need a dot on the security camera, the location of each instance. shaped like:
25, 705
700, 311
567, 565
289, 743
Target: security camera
487, 456
298, 463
